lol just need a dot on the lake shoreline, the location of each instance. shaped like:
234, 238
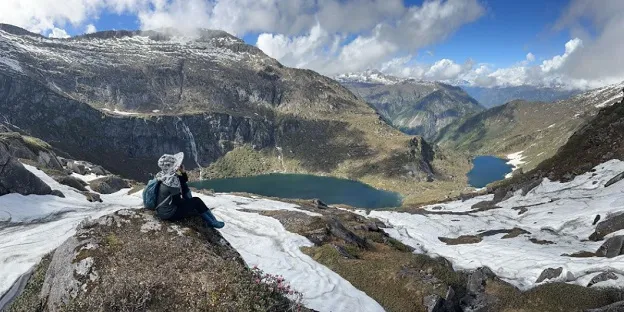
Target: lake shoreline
330, 190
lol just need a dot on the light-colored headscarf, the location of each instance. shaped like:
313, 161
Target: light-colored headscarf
169, 164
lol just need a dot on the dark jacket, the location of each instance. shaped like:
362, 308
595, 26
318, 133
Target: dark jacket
170, 198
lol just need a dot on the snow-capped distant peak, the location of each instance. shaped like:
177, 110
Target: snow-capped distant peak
369, 76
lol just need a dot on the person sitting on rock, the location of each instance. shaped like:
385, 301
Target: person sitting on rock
171, 203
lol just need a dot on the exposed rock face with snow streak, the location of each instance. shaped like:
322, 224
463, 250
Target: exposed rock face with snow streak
121, 99
125, 261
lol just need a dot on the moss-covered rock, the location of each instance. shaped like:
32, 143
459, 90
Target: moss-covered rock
131, 261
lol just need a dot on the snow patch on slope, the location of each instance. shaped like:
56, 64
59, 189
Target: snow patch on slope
515, 160
31, 226
264, 242
561, 213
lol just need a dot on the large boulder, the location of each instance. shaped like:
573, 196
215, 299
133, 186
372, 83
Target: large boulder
612, 224
109, 185
76, 167
476, 298
132, 261
14, 178
72, 182
33, 149
613, 247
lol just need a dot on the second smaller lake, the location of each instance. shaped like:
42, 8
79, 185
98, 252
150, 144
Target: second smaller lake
488, 169
300, 186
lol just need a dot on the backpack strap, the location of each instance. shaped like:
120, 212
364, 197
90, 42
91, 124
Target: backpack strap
164, 201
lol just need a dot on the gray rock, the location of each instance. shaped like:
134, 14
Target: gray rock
98, 170
14, 178
615, 307
109, 185
549, 273
613, 247
337, 229
373, 227
71, 182
57, 193
92, 197
77, 168
434, 303
612, 223
602, 277
478, 279
60, 284
319, 204
596, 219
615, 179
476, 299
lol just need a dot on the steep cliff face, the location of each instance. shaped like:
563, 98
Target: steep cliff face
168, 72
122, 99
126, 144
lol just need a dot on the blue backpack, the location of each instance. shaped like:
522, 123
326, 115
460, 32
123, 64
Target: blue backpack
150, 194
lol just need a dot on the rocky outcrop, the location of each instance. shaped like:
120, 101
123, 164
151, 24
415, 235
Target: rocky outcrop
109, 185
33, 149
125, 262
612, 247
615, 179
71, 182
613, 223
549, 273
602, 277
128, 145
14, 178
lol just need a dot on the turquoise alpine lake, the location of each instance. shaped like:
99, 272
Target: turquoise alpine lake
301, 186
488, 169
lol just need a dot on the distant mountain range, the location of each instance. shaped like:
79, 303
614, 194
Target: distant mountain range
415, 107
123, 98
537, 129
495, 96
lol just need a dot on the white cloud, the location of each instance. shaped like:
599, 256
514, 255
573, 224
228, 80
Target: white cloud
58, 33
444, 69
90, 29
394, 29
337, 36
559, 60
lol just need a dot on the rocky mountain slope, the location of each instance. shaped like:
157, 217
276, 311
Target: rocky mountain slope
495, 96
535, 128
444, 257
414, 107
121, 99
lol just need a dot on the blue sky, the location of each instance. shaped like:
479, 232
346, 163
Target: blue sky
423, 39
503, 36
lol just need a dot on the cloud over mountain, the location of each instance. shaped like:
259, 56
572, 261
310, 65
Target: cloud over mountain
338, 36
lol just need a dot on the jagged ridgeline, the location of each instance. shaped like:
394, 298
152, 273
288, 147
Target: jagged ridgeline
122, 99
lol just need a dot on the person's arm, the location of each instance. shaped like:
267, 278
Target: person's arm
177, 200
183, 177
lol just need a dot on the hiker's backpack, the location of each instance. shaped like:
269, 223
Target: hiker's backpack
150, 194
